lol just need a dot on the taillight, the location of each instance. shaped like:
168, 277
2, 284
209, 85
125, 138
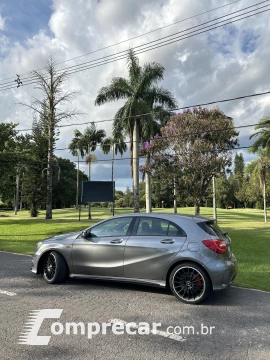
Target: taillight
218, 246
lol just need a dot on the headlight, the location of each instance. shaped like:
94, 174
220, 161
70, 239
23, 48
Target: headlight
39, 244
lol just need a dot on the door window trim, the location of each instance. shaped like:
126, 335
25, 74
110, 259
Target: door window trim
129, 231
136, 225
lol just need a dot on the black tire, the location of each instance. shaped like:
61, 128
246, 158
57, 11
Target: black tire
55, 268
190, 283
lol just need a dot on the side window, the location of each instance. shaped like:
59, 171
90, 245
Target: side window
114, 227
152, 227
175, 231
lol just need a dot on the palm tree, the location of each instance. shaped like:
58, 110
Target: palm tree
86, 143
263, 140
260, 168
115, 144
76, 149
141, 94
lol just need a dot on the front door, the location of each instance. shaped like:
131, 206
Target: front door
101, 253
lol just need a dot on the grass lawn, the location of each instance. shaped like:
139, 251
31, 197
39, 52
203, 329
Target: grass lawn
249, 234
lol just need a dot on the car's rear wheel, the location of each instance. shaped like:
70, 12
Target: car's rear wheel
55, 269
190, 283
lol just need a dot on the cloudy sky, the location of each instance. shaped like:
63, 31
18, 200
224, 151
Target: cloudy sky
223, 63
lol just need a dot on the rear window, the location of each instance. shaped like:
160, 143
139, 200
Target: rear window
211, 228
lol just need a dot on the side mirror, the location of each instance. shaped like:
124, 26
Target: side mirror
85, 234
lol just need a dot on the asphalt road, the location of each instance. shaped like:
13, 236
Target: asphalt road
241, 319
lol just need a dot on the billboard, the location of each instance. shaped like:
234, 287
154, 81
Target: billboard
97, 191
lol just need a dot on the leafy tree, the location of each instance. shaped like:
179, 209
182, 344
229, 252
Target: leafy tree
142, 94
195, 146
8, 160
65, 185
239, 165
51, 82
34, 182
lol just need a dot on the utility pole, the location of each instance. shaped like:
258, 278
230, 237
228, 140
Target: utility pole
214, 198
112, 177
77, 189
174, 197
89, 178
17, 191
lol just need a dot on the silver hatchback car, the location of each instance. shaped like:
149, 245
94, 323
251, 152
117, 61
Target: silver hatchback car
190, 254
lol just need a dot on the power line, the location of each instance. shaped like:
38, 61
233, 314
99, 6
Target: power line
135, 37
119, 159
86, 65
150, 113
105, 62
165, 43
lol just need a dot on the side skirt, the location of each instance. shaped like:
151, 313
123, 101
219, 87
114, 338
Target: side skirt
128, 280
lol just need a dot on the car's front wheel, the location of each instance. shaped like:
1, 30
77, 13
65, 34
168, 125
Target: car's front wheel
189, 283
55, 269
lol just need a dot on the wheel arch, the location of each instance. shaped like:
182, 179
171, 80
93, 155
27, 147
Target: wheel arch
182, 261
43, 256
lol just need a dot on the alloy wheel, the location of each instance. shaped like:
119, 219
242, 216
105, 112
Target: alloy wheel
189, 284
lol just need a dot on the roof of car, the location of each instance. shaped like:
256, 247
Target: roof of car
166, 215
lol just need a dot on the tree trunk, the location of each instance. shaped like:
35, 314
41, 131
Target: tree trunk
174, 197
214, 199
197, 207
148, 192
49, 173
264, 201
135, 166
77, 189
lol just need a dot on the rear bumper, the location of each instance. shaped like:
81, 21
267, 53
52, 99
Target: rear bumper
222, 272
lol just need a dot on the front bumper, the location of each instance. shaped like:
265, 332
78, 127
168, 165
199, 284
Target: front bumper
34, 268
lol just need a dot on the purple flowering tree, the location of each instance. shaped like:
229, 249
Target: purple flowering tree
195, 145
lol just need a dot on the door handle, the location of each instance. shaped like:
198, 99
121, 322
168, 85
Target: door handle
116, 241
167, 241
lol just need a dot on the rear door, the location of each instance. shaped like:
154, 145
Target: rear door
151, 246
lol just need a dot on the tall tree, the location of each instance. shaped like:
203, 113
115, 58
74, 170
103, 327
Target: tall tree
141, 93
87, 142
51, 83
116, 144
34, 183
76, 149
239, 165
8, 160
194, 146
260, 168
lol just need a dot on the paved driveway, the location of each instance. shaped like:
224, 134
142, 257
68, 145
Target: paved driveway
240, 317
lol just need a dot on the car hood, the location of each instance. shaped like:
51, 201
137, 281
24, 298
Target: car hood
66, 238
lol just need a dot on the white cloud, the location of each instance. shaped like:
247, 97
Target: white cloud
199, 69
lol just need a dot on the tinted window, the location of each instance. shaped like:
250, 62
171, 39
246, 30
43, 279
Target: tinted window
158, 227
114, 227
152, 227
211, 228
